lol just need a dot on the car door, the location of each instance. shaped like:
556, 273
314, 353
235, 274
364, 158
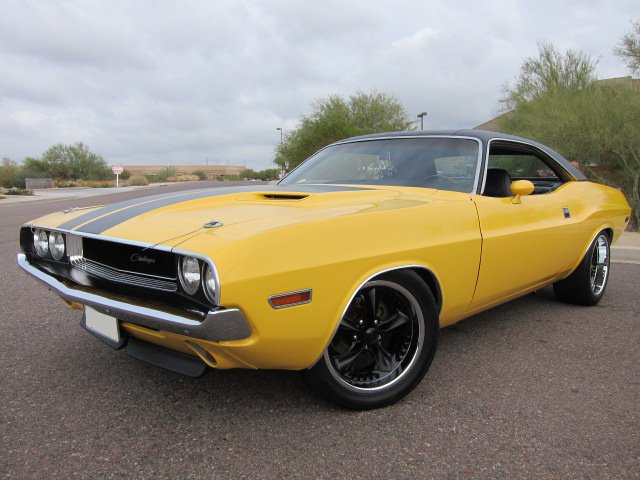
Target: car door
523, 244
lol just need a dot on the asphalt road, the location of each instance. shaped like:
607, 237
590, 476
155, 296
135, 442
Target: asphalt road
532, 389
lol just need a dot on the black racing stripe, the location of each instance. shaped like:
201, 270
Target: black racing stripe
87, 217
127, 210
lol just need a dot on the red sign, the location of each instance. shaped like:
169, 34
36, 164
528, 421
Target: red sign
117, 169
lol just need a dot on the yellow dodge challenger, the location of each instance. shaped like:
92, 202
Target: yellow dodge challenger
347, 268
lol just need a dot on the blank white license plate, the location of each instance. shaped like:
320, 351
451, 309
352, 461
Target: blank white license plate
102, 324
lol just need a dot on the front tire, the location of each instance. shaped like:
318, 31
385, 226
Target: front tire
586, 285
383, 346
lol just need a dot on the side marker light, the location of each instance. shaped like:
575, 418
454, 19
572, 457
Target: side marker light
290, 299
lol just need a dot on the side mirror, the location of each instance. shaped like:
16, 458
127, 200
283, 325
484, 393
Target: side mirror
521, 187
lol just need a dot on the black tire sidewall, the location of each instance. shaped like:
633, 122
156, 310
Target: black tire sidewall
327, 385
584, 274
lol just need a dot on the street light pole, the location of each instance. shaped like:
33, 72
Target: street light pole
421, 117
280, 128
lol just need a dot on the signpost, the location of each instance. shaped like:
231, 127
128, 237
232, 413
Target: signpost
117, 170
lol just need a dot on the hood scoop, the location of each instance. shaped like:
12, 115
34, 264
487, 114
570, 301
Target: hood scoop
284, 196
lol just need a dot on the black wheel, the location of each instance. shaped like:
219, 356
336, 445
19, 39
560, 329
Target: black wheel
586, 285
383, 346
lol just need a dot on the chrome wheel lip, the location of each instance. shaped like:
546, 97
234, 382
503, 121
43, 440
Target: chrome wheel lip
599, 270
418, 348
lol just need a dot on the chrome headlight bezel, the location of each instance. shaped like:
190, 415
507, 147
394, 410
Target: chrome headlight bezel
57, 240
192, 264
41, 242
210, 283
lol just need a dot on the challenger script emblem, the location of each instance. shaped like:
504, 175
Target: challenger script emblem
136, 257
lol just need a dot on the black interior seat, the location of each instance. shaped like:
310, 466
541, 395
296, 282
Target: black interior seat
498, 183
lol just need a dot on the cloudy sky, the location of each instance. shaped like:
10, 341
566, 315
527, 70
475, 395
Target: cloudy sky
177, 82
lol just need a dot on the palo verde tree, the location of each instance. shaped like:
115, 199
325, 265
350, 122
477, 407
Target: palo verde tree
68, 162
335, 118
629, 48
595, 123
551, 72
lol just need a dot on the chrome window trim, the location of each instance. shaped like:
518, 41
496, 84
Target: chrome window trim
359, 140
519, 142
136, 243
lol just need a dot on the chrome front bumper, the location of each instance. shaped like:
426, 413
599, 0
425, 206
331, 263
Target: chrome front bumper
219, 324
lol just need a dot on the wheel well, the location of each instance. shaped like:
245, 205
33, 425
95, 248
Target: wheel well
609, 232
431, 281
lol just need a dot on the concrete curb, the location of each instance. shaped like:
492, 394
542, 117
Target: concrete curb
625, 254
627, 248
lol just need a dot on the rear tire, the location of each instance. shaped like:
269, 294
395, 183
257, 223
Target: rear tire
586, 285
384, 344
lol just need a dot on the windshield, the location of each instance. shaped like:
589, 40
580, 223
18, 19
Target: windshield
431, 162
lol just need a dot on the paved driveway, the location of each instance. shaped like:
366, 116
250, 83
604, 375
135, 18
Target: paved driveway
532, 389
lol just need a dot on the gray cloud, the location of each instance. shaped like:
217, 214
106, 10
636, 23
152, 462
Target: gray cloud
176, 82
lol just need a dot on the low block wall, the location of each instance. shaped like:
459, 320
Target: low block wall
34, 183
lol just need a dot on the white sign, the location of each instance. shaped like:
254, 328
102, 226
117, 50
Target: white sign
117, 169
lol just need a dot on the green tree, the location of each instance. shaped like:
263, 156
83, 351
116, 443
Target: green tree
73, 162
267, 174
550, 72
11, 174
335, 118
596, 124
629, 48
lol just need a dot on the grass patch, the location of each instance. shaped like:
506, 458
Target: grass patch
18, 191
183, 178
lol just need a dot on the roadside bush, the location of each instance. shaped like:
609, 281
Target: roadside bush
11, 174
18, 191
163, 175
138, 180
65, 183
97, 183
200, 174
125, 175
183, 178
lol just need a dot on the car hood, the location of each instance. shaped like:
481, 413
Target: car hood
233, 213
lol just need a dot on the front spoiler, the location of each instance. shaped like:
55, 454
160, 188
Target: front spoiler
219, 324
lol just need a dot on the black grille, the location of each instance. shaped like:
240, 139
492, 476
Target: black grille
130, 258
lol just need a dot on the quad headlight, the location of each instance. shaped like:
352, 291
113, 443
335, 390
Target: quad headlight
56, 245
49, 244
41, 242
190, 274
209, 283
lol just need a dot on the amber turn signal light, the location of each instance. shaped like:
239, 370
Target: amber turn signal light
290, 299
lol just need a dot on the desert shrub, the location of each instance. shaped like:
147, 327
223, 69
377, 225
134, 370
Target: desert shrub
18, 191
200, 174
11, 174
138, 180
182, 178
65, 183
163, 175
125, 175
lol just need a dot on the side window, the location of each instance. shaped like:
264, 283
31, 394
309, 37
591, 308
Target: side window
520, 164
